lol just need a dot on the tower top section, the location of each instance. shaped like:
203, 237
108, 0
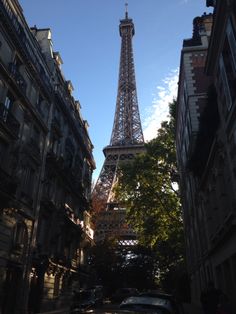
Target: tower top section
127, 129
126, 25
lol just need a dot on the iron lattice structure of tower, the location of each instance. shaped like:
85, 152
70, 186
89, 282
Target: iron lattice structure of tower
126, 141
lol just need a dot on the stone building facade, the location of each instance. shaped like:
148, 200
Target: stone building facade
46, 165
205, 140
221, 65
192, 96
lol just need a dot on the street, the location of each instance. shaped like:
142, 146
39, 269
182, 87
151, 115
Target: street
111, 308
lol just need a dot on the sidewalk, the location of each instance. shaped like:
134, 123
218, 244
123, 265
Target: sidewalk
190, 308
62, 311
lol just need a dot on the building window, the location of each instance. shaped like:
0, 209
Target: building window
14, 68
39, 104
232, 41
35, 139
43, 234
81, 257
7, 106
227, 65
229, 68
28, 180
35, 134
228, 277
78, 162
3, 150
69, 153
57, 285
185, 94
225, 84
55, 144
234, 268
26, 130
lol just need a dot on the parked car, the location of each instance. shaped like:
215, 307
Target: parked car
98, 295
146, 304
86, 299
123, 293
177, 306
119, 311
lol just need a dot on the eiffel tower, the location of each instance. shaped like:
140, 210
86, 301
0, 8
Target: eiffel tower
126, 141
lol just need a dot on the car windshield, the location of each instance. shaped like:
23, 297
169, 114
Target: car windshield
84, 295
147, 300
156, 294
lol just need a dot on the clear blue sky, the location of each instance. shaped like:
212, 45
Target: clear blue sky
86, 33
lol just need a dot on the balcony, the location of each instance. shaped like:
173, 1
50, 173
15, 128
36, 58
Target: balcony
57, 161
204, 141
18, 78
61, 259
52, 156
23, 41
48, 202
8, 184
9, 121
74, 263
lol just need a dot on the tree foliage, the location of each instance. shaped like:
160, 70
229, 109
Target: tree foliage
148, 189
106, 263
121, 266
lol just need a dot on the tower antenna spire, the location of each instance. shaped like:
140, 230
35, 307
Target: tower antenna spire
126, 10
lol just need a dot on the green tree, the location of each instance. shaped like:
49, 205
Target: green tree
139, 269
107, 264
118, 266
148, 189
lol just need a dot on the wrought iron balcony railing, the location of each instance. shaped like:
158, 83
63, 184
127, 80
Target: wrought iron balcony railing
8, 120
15, 74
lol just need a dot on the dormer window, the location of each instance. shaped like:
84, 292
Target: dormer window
70, 86
58, 59
77, 105
20, 237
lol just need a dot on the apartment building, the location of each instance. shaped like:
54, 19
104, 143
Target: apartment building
191, 103
205, 141
46, 165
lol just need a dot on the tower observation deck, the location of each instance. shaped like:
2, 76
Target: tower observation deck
126, 141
